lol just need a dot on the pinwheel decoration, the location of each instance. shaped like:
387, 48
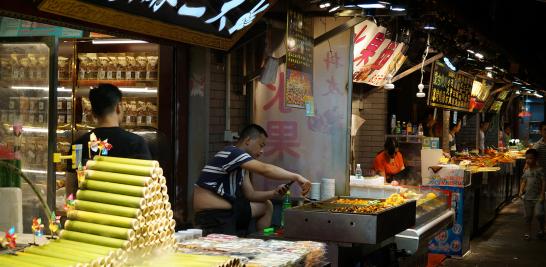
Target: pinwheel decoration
10, 238
70, 203
97, 145
54, 224
37, 228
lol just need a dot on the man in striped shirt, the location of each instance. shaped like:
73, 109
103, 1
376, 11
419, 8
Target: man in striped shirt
224, 199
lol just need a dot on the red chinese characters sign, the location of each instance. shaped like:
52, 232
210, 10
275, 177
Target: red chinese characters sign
375, 55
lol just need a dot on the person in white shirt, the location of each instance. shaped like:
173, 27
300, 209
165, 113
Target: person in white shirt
484, 126
453, 130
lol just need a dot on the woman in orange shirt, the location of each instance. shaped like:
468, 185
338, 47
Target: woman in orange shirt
389, 161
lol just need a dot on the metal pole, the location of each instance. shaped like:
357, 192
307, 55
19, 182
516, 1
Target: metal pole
53, 44
228, 94
445, 131
349, 111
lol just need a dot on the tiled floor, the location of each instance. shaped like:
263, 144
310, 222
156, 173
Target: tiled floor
502, 244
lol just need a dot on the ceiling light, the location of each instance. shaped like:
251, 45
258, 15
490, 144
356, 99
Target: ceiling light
334, 8
518, 92
388, 85
420, 94
489, 74
137, 90
470, 51
397, 8
118, 41
516, 82
325, 5
449, 64
478, 55
429, 27
43, 88
538, 95
488, 68
370, 6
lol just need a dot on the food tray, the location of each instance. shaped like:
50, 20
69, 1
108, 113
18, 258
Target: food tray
315, 221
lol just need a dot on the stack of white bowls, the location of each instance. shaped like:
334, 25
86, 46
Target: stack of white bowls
328, 188
314, 194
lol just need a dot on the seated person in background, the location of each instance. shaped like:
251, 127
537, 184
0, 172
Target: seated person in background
453, 130
224, 199
389, 162
484, 126
506, 135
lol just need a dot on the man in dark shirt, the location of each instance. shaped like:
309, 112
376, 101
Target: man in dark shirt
225, 200
106, 107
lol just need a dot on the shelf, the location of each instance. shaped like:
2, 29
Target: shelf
405, 135
116, 82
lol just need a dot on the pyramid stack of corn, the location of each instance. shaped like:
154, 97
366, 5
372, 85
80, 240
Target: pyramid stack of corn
122, 214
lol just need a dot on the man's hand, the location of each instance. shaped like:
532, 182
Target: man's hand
304, 184
281, 190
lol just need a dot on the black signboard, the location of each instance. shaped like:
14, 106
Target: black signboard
211, 23
496, 103
299, 59
215, 17
449, 89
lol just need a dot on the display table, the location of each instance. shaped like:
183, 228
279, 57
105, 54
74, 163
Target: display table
257, 251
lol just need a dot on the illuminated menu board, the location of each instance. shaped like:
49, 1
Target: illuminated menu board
449, 89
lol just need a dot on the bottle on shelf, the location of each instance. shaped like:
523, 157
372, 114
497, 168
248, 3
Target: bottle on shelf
415, 130
420, 129
409, 128
358, 171
404, 129
398, 130
286, 204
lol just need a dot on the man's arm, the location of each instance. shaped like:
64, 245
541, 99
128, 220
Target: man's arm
261, 196
276, 173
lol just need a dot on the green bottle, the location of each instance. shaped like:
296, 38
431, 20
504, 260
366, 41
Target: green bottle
286, 204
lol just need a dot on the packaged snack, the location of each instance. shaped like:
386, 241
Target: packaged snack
93, 66
33, 104
23, 104
41, 71
24, 71
112, 68
151, 68
4, 116
102, 67
13, 103
84, 65
5, 69
33, 66
131, 68
62, 68
15, 67
121, 68
140, 73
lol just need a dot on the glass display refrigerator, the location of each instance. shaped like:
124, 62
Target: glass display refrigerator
38, 122
27, 74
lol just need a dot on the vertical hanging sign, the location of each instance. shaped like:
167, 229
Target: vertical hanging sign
299, 60
375, 55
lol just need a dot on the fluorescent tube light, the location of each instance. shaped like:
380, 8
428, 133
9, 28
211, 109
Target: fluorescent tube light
370, 6
137, 90
118, 41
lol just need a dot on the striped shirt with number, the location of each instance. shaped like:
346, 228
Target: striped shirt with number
223, 174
